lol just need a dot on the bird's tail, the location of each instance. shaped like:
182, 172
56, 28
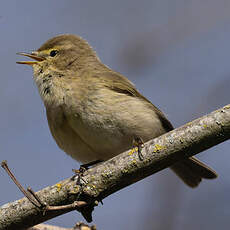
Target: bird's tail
191, 171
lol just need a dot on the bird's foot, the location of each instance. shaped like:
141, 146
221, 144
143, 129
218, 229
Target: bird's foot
138, 142
78, 175
80, 172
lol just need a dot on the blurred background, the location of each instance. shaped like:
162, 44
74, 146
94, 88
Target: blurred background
177, 54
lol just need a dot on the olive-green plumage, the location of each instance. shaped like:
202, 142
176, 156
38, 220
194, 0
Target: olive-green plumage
95, 113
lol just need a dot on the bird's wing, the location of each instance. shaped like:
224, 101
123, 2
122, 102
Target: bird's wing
120, 84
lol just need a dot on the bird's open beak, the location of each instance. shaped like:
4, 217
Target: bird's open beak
32, 55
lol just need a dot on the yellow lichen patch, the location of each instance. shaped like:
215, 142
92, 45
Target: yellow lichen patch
227, 107
181, 140
189, 123
134, 162
93, 186
58, 186
158, 148
124, 171
75, 190
90, 188
104, 175
132, 151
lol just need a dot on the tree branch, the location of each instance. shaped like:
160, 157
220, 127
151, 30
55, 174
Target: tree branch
122, 170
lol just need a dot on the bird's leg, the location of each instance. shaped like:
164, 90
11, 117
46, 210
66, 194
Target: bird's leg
88, 165
138, 142
79, 172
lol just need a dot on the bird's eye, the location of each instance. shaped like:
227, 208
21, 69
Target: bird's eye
53, 53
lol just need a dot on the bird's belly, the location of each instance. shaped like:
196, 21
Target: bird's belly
110, 130
73, 145
82, 144
103, 134
93, 145
67, 139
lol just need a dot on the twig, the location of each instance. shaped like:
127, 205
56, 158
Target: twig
35, 200
28, 195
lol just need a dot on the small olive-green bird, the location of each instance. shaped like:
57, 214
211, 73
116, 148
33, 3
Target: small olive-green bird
95, 113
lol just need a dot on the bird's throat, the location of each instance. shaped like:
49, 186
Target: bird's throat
48, 86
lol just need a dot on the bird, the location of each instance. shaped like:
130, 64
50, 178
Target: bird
95, 113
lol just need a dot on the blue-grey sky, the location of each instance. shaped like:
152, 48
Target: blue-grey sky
176, 52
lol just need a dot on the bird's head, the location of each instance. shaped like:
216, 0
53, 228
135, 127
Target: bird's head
62, 52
